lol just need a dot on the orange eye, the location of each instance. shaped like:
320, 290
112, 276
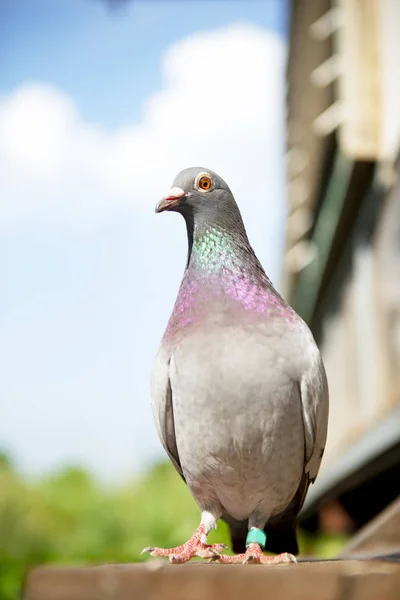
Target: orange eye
204, 183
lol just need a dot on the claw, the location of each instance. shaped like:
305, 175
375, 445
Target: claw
291, 558
248, 559
213, 559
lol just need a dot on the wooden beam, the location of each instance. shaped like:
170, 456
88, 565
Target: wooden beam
353, 580
373, 452
381, 535
359, 84
323, 235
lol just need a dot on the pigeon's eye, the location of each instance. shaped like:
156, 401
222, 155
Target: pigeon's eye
204, 183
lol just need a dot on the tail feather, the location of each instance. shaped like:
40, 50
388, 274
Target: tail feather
282, 538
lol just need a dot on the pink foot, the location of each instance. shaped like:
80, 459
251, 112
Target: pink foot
195, 546
255, 555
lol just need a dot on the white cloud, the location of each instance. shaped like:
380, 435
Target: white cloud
86, 312
220, 106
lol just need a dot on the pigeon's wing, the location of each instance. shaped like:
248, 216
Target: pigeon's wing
315, 406
162, 405
312, 391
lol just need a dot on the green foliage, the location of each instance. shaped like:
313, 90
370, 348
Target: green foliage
68, 518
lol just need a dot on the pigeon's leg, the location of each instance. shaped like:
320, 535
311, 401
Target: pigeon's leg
254, 554
195, 546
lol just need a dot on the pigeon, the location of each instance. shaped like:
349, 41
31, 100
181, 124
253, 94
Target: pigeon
238, 388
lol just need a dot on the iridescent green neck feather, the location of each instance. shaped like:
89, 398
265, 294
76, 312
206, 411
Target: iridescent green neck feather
213, 249
223, 278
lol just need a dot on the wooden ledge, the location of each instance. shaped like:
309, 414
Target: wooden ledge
327, 580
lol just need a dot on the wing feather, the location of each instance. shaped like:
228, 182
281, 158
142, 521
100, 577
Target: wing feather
162, 405
315, 407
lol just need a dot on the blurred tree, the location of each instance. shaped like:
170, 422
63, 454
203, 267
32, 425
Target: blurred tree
69, 518
5, 460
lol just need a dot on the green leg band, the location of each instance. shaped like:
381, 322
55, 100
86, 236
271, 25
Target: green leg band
256, 536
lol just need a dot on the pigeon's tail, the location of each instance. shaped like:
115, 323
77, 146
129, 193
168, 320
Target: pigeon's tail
280, 529
281, 537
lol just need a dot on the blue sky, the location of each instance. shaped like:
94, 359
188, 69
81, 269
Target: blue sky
98, 111
87, 48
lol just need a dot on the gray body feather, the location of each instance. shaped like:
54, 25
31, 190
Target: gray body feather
239, 394
242, 413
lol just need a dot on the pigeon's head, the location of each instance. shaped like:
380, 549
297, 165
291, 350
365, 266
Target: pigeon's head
198, 193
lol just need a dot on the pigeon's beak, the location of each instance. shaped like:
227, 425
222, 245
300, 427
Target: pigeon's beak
172, 199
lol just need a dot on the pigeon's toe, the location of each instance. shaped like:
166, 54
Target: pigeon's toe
195, 546
255, 555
